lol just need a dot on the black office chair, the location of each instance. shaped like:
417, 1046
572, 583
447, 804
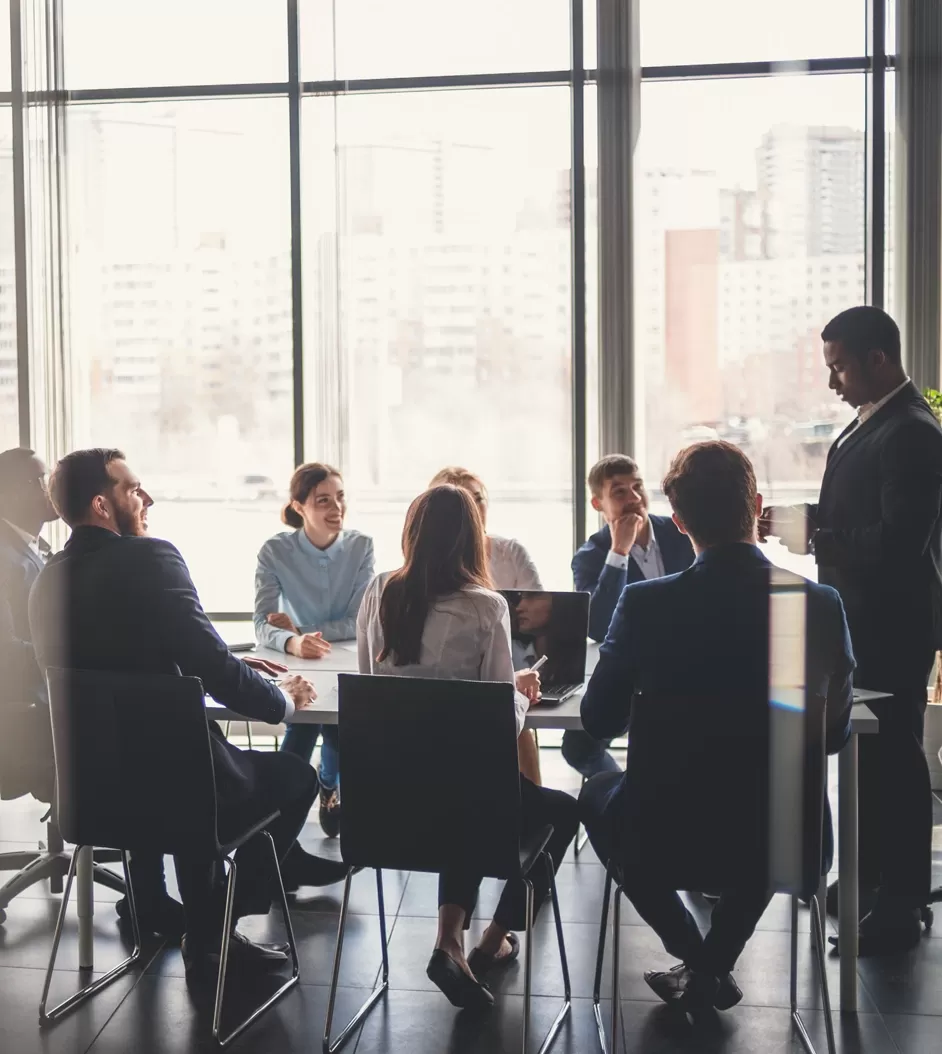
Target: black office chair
449, 748
715, 789
26, 767
135, 773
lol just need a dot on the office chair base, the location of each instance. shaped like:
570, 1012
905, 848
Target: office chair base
332, 1047
224, 1041
50, 1016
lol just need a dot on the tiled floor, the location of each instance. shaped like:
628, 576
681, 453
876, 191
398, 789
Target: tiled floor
152, 1011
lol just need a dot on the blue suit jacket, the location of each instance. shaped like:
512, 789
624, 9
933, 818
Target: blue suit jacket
705, 633
593, 575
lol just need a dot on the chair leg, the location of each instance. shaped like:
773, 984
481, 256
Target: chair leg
248, 733
582, 835
818, 931
47, 1017
30, 868
224, 1041
563, 961
597, 985
328, 1047
616, 933
527, 966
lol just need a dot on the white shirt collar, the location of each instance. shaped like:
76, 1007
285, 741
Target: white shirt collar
867, 410
30, 539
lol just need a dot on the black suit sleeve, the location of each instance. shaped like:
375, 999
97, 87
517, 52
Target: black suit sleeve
17, 657
910, 501
198, 649
606, 705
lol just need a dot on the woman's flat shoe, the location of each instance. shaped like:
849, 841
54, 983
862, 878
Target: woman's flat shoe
458, 987
481, 963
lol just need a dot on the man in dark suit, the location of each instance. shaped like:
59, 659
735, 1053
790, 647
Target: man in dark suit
115, 599
631, 547
26, 761
876, 534
703, 633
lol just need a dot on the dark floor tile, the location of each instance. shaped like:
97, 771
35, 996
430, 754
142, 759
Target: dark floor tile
316, 936
163, 1016
426, 1023
26, 936
656, 1029
914, 1035
907, 984
20, 991
363, 899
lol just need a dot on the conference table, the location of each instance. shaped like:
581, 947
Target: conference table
343, 659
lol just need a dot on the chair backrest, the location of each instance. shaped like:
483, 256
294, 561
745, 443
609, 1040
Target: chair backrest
133, 762
698, 806
430, 774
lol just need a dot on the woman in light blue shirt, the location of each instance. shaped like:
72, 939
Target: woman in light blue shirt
308, 587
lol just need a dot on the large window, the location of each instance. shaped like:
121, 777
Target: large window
437, 265
750, 237
180, 278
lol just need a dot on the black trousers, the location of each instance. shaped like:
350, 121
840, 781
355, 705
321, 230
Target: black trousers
283, 782
734, 918
539, 806
895, 797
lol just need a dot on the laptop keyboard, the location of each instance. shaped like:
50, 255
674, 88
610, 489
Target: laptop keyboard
562, 691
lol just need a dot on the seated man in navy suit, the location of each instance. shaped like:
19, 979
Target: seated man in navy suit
26, 761
703, 633
631, 547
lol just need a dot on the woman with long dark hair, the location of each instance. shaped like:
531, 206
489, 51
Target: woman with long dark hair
437, 616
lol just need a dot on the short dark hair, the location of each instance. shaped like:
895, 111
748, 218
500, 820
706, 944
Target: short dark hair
78, 478
12, 464
712, 488
607, 467
864, 329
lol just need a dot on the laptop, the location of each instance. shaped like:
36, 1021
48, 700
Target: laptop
555, 625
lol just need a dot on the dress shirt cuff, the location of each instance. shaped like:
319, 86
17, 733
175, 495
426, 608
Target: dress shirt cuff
616, 560
289, 706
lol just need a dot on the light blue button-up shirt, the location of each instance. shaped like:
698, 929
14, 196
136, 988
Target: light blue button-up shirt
319, 589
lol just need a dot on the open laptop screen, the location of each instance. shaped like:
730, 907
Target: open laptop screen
551, 624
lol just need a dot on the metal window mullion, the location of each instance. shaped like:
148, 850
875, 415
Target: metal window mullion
618, 117
875, 209
577, 221
21, 283
294, 161
918, 160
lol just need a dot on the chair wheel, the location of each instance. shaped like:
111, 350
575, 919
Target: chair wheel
927, 916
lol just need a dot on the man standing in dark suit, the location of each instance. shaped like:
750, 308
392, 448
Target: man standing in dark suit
115, 599
705, 634
876, 534
26, 761
632, 546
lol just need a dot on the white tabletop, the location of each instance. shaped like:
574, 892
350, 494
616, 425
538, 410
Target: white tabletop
343, 659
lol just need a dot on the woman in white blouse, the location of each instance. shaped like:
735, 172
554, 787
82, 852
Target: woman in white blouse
437, 616
510, 567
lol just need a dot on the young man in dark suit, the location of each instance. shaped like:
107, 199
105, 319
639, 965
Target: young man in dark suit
26, 761
717, 613
632, 546
115, 599
876, 534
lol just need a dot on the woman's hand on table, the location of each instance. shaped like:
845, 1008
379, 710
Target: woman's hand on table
527, 683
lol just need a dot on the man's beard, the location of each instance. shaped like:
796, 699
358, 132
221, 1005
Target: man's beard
129, 525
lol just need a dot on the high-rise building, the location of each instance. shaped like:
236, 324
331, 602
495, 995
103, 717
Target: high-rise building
811, 191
